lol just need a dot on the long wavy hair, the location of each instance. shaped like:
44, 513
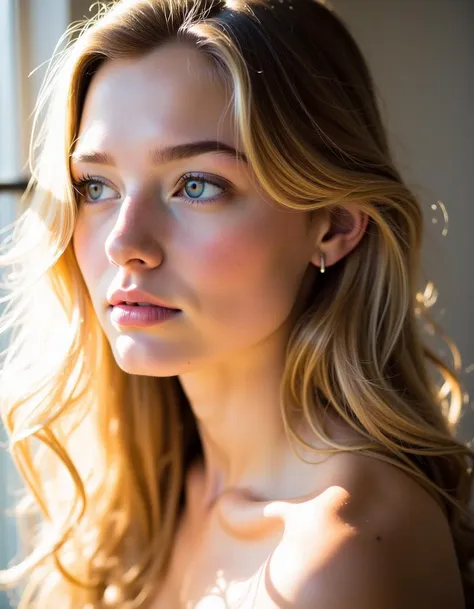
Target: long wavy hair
104, 454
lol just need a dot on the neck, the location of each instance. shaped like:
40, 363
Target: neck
237, 408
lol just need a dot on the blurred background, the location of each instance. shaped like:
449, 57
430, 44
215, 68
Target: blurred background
421, 53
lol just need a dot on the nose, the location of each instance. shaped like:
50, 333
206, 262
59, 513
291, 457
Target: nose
133, 240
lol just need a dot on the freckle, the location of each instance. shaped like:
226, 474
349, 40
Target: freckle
378, 538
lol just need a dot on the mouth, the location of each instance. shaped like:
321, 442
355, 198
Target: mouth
140, 314
142, 305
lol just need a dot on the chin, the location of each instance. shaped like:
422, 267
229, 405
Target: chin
147, 356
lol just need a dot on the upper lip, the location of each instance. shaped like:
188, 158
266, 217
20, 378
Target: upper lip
122, 296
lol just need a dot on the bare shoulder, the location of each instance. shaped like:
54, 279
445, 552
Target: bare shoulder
378, 540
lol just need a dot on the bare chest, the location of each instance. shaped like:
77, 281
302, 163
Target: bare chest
217, 573
213, 569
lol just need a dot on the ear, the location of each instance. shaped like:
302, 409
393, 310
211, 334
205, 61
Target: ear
343, 230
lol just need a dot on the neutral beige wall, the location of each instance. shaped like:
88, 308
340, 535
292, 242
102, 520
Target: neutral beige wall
79, 9
421, 53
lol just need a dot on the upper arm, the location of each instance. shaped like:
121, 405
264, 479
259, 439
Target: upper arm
375, 552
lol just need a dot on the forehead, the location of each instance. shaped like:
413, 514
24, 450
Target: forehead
172, 94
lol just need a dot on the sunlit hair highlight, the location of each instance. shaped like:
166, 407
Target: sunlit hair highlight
99, 524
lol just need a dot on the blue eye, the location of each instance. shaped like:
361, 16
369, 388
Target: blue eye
195, 185
96, 188
91, 190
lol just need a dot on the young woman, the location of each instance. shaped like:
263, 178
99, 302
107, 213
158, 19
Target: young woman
216, 387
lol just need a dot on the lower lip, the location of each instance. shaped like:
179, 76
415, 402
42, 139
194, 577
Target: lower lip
129, 315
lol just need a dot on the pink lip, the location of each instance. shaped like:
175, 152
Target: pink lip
129, 315
123, 296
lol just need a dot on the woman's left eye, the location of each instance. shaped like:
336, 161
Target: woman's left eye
195, 186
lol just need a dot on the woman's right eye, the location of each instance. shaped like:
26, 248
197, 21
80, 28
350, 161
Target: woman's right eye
92, 190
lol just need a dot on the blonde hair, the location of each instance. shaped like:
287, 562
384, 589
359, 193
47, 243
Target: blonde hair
101, 523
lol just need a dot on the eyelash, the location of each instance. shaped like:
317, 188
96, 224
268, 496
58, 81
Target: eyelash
86, 179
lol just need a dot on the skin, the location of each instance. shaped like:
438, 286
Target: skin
238, 268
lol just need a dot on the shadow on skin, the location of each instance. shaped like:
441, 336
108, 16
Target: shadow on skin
275, 596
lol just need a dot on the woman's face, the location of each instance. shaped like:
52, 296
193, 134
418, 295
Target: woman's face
219, 250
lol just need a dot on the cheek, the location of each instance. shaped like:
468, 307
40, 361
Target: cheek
89, 254
228, 259
250, 265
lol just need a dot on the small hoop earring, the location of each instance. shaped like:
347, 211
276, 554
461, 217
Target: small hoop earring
323, 263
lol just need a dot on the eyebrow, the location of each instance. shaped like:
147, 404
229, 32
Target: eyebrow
165, 155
